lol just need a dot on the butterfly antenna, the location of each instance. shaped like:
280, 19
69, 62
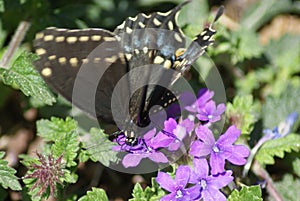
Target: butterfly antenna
218, 14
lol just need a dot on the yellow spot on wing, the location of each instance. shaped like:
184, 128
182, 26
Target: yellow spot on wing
59, 39
39, 35
83, 38
40, 51
73, 61
48, 37
71, 39
46, 72
52, 57
62, 60
96, 37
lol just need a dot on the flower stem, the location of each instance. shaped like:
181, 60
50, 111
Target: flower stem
259, 171
15, 43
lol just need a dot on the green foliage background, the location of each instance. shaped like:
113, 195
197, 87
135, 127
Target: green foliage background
262, 84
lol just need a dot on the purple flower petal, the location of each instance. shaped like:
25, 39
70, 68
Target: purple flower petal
239, 153
161, 140
199, 149
217, 163
201, 167
150, 134
170, 125
132, 160
158, 157
213, 194
165, 181
205, 135
221, 180
169, 197
188, 125
182, 175
230, 136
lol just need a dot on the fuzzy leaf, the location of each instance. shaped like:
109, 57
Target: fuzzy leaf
288, 188
100, 147
95, 194
242, 113
7, 175
152, 193
23, 76
277, 147
277, 109
249, 193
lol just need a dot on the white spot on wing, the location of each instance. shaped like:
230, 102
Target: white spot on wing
142, 25
170, 25
156, 22
158, 60
178, 37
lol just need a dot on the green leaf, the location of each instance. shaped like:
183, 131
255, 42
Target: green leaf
64, 134
7, 175
152, 193
278, 108
23, 76
53, 129
2, 6
263, 11
95, 194
288, 188
100, 147
245, 45
296, 165
277, 147
247, 193
243, 113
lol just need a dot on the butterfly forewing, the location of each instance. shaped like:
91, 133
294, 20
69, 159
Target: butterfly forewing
82, 57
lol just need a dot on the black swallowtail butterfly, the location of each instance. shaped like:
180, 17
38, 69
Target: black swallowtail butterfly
85, 66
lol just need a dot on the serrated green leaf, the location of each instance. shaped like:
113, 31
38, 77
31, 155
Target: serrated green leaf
53, 129
23, 76
152, 193
288, 187
68, 145
251, 193
95, 194
64, 134
100, 147
245, 45
277, 147
243, 113
7, 175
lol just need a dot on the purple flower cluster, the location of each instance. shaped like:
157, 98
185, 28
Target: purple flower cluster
208, 174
